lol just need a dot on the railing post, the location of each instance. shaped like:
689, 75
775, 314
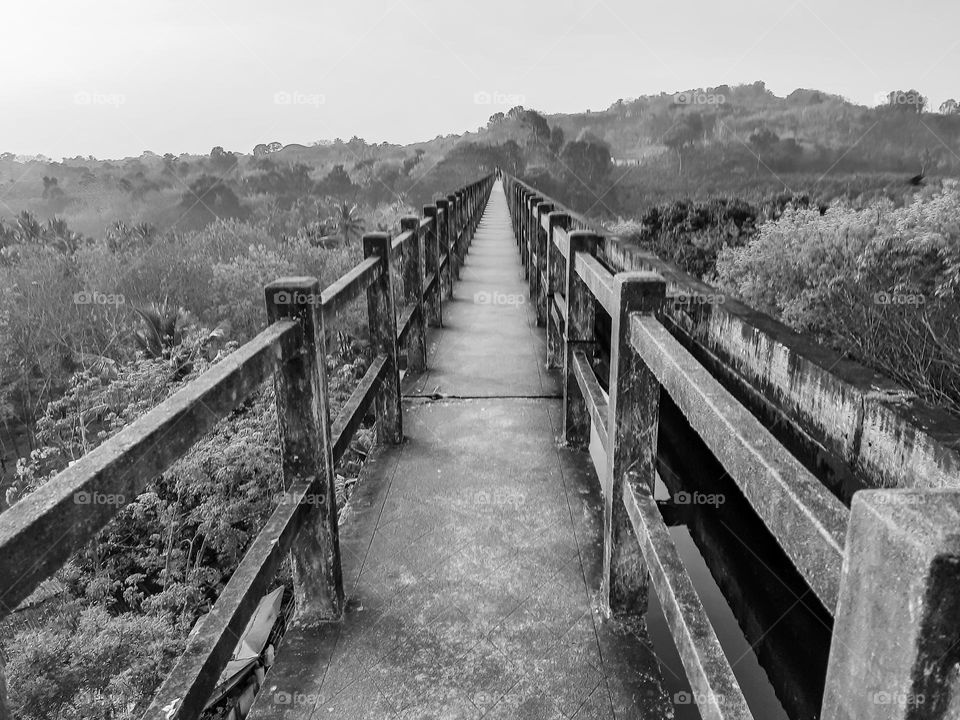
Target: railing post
632, 424
579, 331
556, 282
303, 417
517, 217
444, 228
522, 229
895, 650
540, 286
431, 249
467, 227
471, 211
532, 233
464, 239
454, 236
383, 337
413, 293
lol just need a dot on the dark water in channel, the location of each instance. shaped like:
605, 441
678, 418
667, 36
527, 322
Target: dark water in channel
773, 629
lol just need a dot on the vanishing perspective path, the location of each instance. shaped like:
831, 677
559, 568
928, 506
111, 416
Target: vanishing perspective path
472, 551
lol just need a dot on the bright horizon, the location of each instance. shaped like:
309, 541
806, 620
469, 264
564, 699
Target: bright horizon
114, 79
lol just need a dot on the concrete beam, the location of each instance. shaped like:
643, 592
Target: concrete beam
895, 653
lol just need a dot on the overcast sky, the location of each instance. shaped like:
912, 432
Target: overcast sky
113, 78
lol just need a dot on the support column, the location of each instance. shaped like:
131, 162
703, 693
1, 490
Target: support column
556, 283
540, 273
895, 653
303, 417
432, 257
383, 336
579, 335
413, 295
632, 424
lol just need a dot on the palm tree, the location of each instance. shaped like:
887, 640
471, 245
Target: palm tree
163, 329
347, 221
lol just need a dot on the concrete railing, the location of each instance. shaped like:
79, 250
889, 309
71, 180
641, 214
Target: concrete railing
888, 569
42, 531
852, 426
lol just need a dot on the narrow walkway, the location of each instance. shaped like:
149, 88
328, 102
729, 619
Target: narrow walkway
471, 552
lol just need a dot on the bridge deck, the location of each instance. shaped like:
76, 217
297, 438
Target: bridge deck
471, 552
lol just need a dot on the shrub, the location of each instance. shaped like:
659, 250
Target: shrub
880, 283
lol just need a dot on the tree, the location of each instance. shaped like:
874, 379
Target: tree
496, 119
950, 107
556, 139
51, 189
209, 198
411, 162
537, 125
761, 140
588, 161
684, 132
169, 164
347, 221
264, 149
163, 328
338, 183
221, 160
906, 101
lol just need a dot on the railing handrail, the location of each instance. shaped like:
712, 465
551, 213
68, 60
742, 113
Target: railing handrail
45, 528
898, 438
839, 552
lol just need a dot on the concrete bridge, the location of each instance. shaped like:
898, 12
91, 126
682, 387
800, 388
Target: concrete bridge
497, 559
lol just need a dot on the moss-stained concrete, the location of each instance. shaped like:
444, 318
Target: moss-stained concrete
856, 427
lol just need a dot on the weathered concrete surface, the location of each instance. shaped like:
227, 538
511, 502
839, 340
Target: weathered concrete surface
472, 552
852, 426
861, 428
490, 345
808, 522
896, 647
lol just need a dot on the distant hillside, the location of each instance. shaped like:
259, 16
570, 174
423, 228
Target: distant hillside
700, 143
809, 127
